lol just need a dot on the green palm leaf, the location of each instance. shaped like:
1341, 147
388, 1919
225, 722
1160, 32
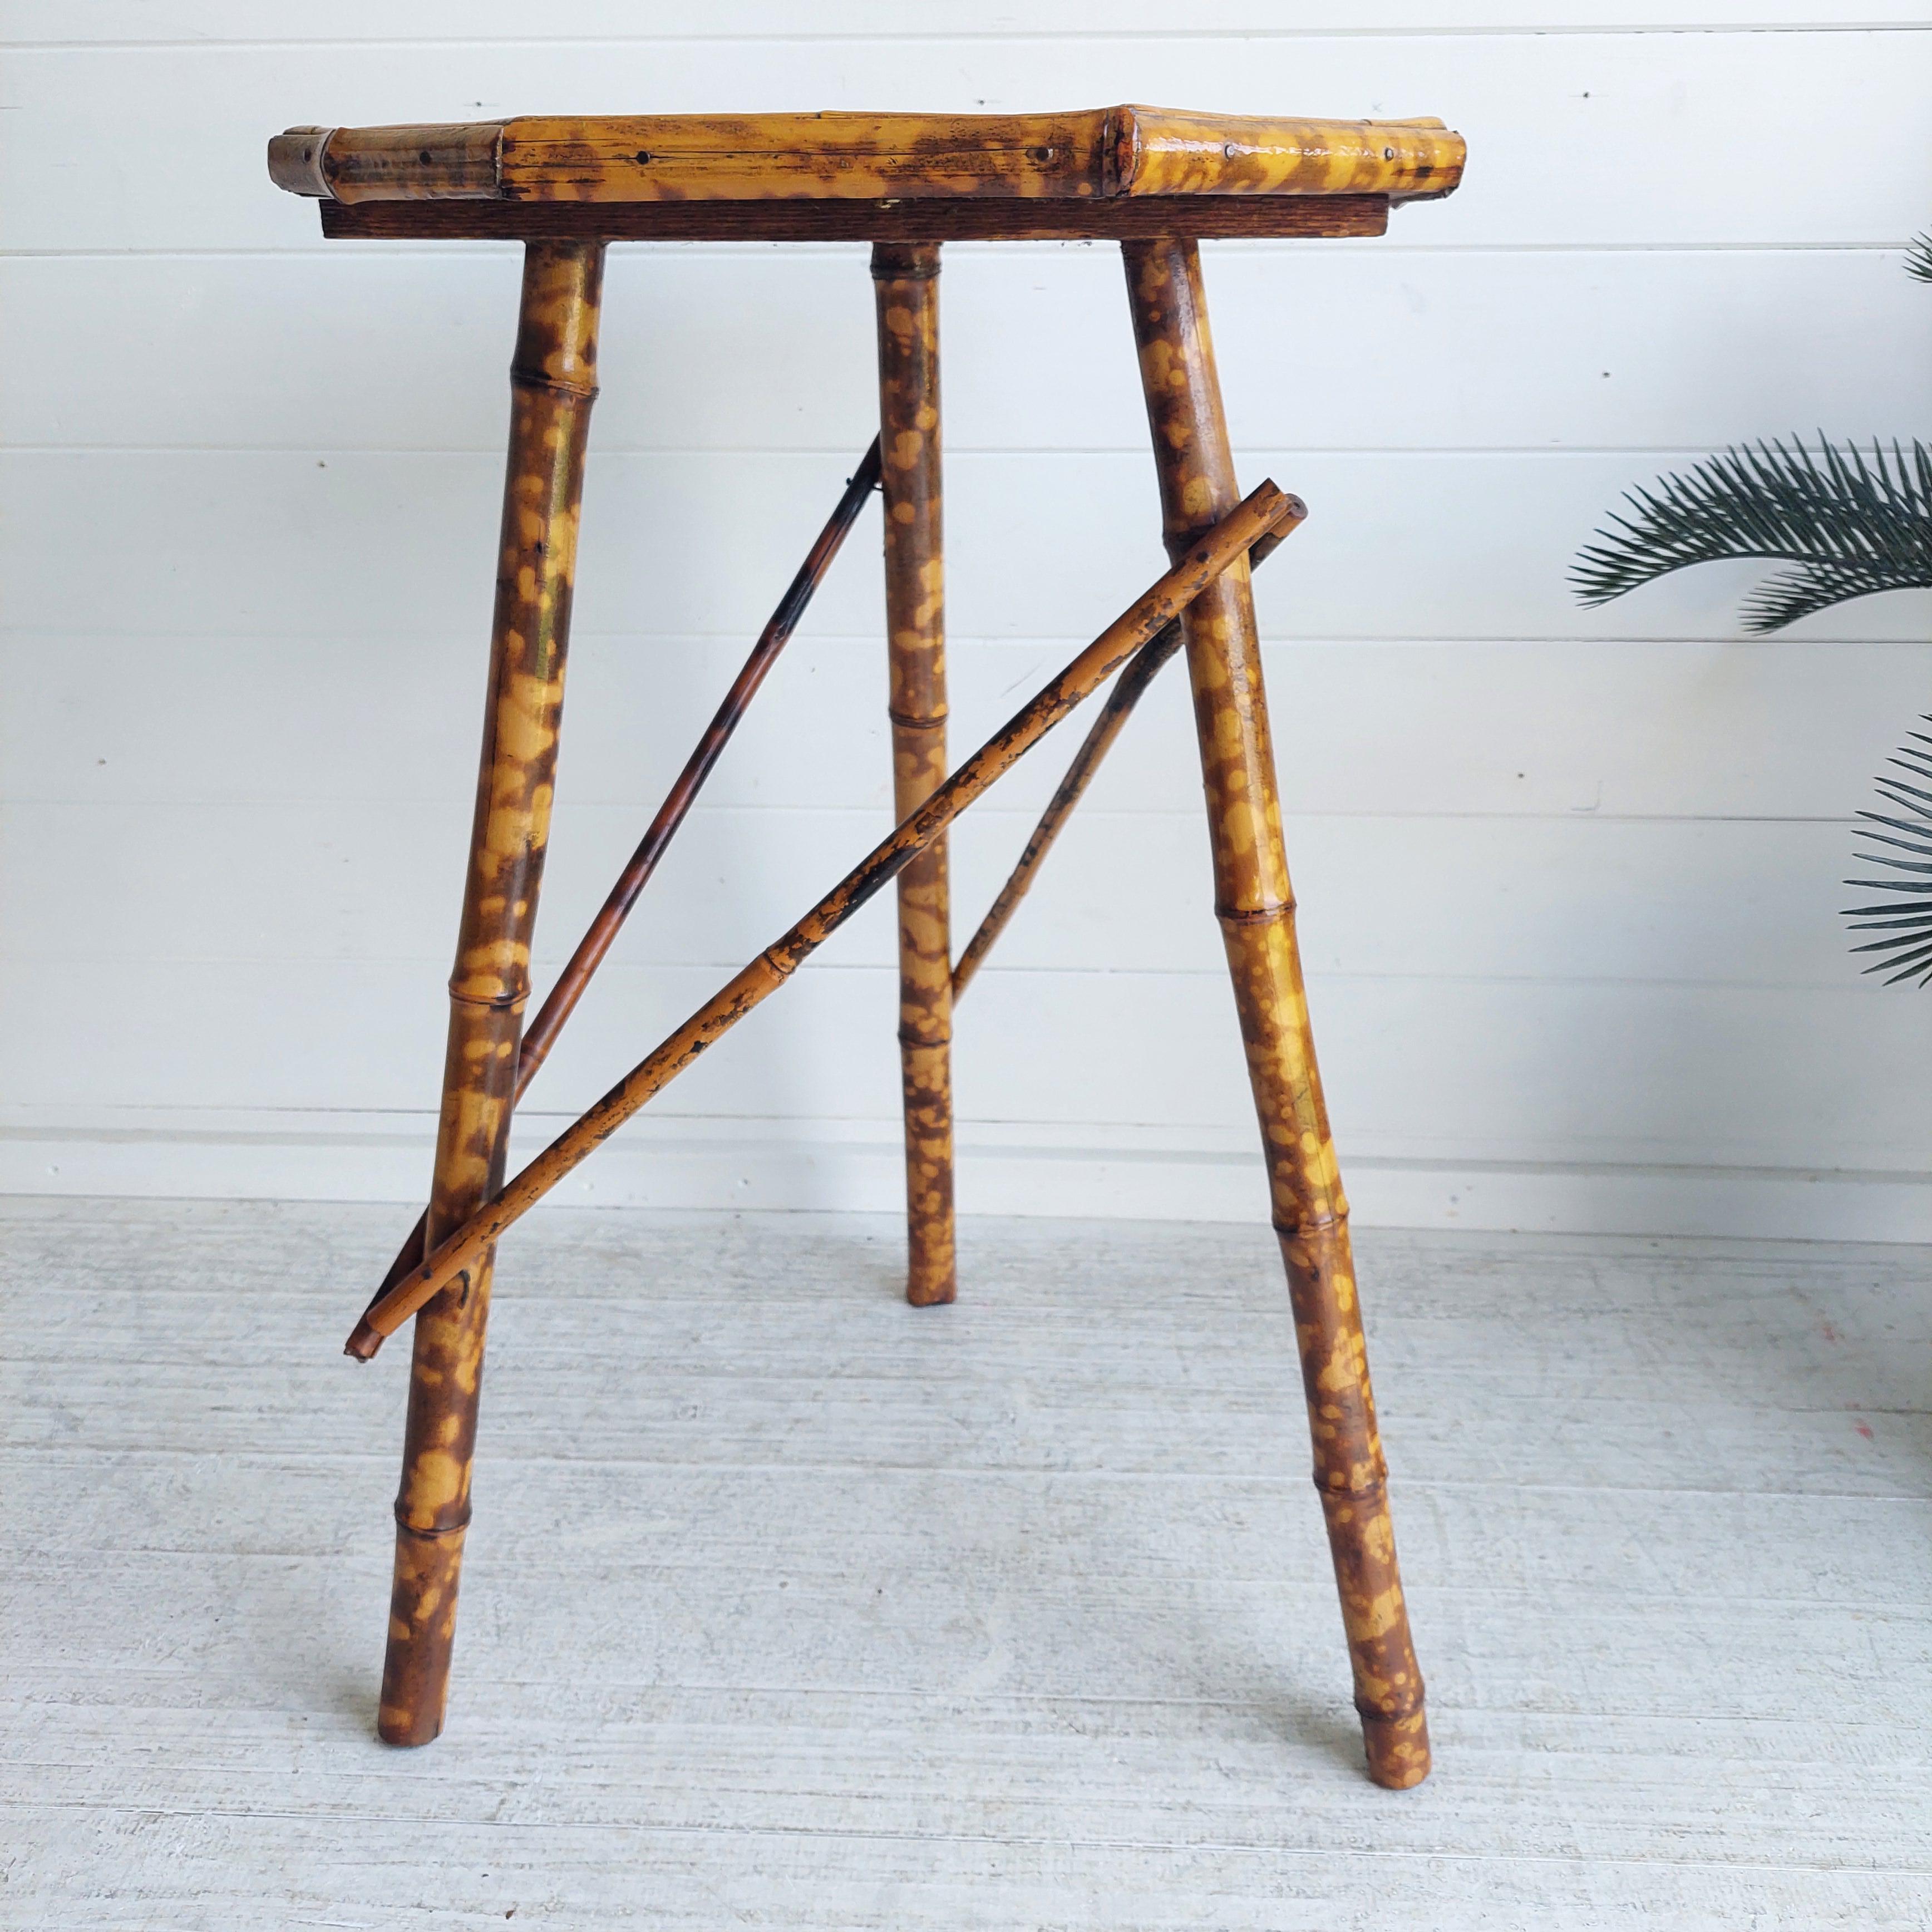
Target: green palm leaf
1905, 952
1844, 527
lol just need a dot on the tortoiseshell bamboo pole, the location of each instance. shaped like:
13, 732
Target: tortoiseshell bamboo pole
1129, 689
466, 1251
1255, 906
905, 277
552, 383
540, 1035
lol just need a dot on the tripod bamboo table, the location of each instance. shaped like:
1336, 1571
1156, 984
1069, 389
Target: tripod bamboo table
1153, 180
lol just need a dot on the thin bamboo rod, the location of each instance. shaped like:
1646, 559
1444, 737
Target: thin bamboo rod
1254, 904
553, 384
604, 929
905, 282
1129, 687
541, 1034
459, 1255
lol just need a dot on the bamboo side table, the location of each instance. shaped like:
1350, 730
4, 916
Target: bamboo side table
1153, 180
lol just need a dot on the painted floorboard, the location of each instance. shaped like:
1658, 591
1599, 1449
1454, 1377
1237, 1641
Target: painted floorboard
787, 1605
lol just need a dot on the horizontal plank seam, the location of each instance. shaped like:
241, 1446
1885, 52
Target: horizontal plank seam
1837, 992
1235, 36
1269, 1850
1263, 455
1278, 639
145, 802
1044, 1474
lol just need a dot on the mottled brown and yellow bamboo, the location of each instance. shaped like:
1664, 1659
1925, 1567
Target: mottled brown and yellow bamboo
1255, 907
1129, 689
541, 1035
464, 1253
1093, 154
553, 382
1164, 151
905, 280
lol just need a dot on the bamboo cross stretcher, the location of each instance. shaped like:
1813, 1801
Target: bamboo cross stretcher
1141, 627
541, 1035
1153, 180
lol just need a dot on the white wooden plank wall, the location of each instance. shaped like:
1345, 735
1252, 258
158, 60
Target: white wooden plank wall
1570, 881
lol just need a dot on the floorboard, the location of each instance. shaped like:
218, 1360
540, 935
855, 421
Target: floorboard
787, 1605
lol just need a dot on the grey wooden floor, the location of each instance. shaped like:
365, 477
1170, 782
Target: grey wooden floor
789, 1606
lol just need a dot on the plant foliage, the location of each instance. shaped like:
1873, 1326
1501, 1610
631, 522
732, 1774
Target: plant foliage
1843, 526
1905, 953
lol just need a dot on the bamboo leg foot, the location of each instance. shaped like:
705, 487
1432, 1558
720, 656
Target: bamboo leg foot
1255, 907
905, 279
553, 382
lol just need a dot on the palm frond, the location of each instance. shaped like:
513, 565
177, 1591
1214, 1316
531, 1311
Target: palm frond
1918, 258
1905, 952
1844, 525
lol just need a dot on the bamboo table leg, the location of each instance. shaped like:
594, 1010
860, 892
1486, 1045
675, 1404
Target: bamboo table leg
905, 278
1255, 907
553, 382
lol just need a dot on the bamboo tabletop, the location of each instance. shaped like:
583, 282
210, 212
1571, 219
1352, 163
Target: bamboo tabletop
1104, 172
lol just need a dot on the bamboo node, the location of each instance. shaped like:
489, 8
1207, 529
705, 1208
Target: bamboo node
908, 1037
523, 379
1276, 910
499, 1003
1313, 1228
1330, 1491
905, 261
442, 1530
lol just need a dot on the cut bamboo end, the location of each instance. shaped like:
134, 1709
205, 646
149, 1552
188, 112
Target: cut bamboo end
296, 162
1397, 1748
932, 1287
422, 1631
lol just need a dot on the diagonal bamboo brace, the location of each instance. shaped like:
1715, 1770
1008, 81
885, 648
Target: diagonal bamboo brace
1220, 548
1128, 690
540, 1035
